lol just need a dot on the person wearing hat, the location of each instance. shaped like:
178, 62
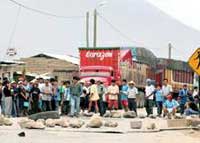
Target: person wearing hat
132, 92
183, 97
170, 106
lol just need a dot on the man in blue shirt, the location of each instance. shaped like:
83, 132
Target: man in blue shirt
159, 99
170, 106
183, 95
123, 95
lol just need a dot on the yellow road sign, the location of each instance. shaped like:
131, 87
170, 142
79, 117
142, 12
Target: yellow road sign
194, 61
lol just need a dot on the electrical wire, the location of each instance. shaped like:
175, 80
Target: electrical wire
44, 12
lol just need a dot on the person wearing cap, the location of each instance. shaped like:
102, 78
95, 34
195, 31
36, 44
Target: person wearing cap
132, 92
170, 106
182, 98
149, 92
93, 97
75, 91
113, 91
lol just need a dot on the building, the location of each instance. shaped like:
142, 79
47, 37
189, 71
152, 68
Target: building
8, 67
61, 67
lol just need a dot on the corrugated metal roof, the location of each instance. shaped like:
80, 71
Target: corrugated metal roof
68, 58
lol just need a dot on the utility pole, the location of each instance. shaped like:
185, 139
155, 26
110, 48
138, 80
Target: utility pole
95, 29
170, 51
87, 30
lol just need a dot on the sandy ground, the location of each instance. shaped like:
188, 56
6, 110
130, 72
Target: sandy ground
87, 135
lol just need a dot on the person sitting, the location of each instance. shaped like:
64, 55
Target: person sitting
170, 106
191, 108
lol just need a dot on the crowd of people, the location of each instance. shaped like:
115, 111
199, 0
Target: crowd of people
22, 98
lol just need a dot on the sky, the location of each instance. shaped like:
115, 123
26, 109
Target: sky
145, 23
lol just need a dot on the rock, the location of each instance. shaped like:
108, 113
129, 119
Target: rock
76, 123
86, 114
107, 114
31, 124
129, 114
45, 115
116, 114
7, 122
178, 117
95, 122
61, 122
152, 116
194, 122
141, 116
1, 120
41, 121
50, 123
22, 134
151, 126
136, 124
111, 124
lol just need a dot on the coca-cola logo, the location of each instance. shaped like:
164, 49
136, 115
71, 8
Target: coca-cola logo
100, 55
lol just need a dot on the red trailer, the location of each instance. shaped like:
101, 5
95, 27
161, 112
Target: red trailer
103, 64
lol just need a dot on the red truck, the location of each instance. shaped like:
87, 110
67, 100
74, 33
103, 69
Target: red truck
103, 64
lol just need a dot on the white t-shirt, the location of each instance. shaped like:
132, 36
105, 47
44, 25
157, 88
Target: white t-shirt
46, 89
149, 90
166, 89
132, 92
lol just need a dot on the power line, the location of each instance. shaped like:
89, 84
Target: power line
44, 12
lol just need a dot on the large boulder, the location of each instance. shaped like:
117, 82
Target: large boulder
61, 122
1, 120
45, 115
76, 123
111, 124
50, 123
116, 114
31, 124
141, 116
136, 124
86, 114
151, 126
5, 121
194, 122
152, 116
95, 122
129, 114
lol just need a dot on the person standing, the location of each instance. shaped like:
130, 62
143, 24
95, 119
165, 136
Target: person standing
35, 95
66, 99
47, 93
149, 92
76, 91
85, 92
159, 99
101, 92
56, 95
166, 88
8, 99
183, 97
132, 92
0, 96
93, 97
124, 95
15, 107
113, 91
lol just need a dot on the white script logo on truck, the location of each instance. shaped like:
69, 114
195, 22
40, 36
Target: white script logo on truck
100, 55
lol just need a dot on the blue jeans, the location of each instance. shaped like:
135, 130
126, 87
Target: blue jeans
75, 105
159, 107
189, 111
